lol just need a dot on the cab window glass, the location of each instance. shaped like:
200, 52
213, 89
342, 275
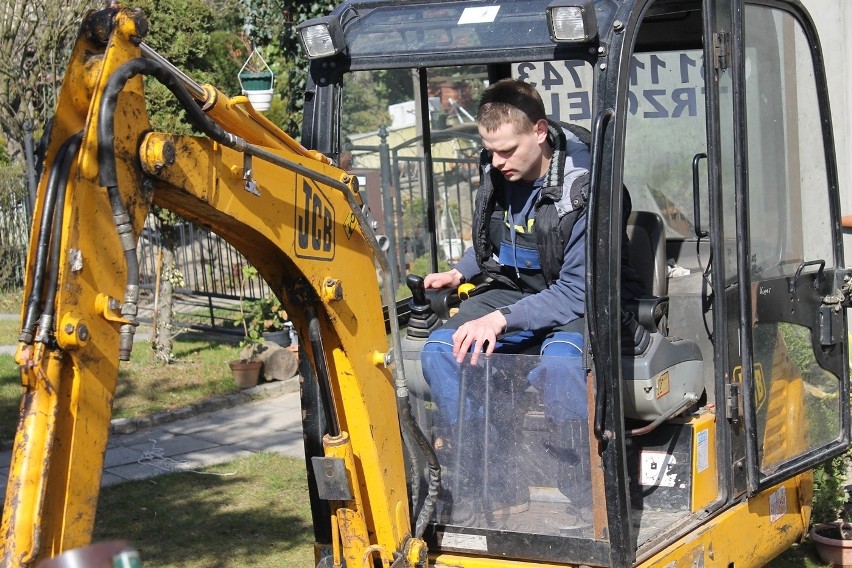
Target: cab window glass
788, 189
789, 225
665, 131
382, 144
565, 88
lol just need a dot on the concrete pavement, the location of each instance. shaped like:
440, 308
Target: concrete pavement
269, 424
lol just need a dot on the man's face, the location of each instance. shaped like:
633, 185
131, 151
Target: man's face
517, 156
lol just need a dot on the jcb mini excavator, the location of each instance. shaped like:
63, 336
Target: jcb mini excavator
698, 429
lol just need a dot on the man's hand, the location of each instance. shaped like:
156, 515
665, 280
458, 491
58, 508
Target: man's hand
481, 333
450, 279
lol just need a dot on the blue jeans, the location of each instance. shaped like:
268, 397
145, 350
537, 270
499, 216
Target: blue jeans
559, 377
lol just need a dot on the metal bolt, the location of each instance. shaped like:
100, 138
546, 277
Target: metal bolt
617, 25
69, 328
601, 50
113, 304
83, 332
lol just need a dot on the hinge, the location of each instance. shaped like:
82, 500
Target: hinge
721, 50
733, 402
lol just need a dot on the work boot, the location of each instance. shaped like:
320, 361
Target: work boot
569, 440
461, 492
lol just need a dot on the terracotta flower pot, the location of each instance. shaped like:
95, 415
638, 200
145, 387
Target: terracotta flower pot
831, 546
246, 373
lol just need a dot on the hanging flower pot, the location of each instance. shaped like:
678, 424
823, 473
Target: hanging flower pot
256, 82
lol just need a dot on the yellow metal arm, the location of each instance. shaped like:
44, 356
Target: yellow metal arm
288, 210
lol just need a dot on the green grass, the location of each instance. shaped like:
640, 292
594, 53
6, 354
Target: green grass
802, 555
10, 301
10, 398
200, 370
258, 517
9, 331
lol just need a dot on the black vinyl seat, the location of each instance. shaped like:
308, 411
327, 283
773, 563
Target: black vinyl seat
646, 234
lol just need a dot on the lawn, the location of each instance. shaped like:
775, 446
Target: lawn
260, 516
200, 370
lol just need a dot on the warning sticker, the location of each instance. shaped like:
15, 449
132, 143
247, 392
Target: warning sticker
777, 504
463, 541
663, 383
702, 450
657, 469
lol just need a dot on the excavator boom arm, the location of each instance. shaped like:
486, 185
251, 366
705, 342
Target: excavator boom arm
289, 211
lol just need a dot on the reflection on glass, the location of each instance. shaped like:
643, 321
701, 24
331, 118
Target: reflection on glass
797, 401
787, 175
513, 443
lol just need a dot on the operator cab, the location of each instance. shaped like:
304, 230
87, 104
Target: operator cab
735, 232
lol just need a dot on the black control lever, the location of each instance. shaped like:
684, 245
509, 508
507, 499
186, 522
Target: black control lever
418, 290
423, 318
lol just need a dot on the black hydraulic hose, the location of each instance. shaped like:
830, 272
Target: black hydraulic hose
57, 179
195, 116
409, 424
47, 318
321, 367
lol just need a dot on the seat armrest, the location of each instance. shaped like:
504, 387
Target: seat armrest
650, 312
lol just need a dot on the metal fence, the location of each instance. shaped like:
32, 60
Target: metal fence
424, 222
207, 278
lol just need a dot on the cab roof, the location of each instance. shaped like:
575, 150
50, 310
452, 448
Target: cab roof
424, 33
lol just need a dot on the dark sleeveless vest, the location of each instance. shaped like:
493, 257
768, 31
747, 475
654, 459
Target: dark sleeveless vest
552, 229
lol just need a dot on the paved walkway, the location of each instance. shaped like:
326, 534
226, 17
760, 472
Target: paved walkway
271, 424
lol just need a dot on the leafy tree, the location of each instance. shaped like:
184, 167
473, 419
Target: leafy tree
4, 154
363, 98
187, 33
36, 37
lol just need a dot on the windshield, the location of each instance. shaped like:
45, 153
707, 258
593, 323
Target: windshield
513, 444
426, 29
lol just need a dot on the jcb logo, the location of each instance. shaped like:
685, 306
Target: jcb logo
759, 383
314, 224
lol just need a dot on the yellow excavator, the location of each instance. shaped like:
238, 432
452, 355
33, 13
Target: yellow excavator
701, 420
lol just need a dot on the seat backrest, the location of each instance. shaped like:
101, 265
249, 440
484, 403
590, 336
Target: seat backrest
646, 235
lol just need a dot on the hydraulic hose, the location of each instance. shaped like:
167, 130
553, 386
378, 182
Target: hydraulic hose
321, 366
57, 181
48, 315
195, 116
410, 425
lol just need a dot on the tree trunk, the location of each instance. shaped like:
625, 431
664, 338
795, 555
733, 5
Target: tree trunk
161, 340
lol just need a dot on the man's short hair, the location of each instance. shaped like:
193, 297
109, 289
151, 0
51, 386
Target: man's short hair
510, 101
